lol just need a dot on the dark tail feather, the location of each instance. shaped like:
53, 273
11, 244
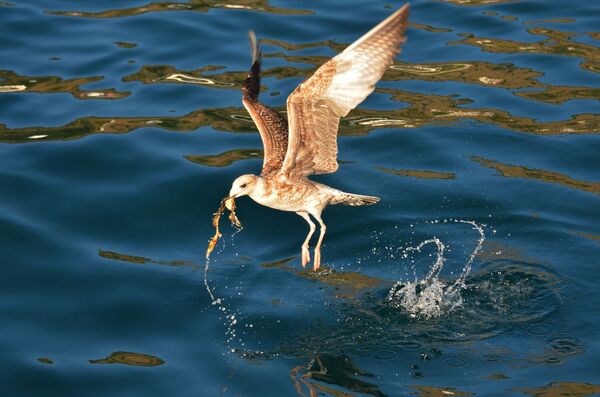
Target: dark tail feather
251, 86
355, 199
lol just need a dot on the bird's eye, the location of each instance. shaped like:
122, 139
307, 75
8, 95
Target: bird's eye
243, 186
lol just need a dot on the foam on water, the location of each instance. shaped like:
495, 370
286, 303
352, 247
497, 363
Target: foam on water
430, 296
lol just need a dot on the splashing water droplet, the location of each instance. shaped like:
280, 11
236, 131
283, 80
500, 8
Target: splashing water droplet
431, 297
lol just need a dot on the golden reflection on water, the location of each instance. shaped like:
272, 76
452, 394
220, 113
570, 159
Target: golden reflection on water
193, 5
345, 284
556, 42
515, 171
422, 174
12, 82
334, 45
150, 74
428, 28
334, 370
497, 376
142, 260
129, 358
432, 391
227, 158
550, 20
342, 372
124, 44
423, 109
561, 389
589, 236
503, 75
223, 119
477, 2
437, 109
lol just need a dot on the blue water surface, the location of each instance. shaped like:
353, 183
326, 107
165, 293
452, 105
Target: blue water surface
122, 128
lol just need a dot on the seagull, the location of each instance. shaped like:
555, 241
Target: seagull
306, 144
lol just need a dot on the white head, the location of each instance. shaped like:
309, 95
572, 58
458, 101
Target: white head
243, 185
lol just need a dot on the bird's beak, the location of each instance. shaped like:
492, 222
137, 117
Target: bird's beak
233, 194
230, 201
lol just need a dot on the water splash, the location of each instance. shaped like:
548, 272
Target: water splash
233, 337
432, 297
503, 293
228, 314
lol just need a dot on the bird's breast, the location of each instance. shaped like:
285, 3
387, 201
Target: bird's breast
284, 196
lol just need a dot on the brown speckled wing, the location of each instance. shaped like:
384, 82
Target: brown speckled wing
272, 127
338, 86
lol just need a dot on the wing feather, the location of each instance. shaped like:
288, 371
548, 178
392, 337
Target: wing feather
338, 86
272, 127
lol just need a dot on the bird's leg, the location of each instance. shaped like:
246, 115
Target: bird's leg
317, 260
305, 252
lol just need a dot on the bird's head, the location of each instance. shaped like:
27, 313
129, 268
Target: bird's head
243, 185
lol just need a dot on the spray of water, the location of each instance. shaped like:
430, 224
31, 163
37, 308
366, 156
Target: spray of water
228, 315
233, 340
430, 296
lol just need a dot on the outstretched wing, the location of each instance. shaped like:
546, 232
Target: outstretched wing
338, 86
272, 127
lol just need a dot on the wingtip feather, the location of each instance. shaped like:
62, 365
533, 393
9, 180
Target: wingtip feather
399, 17
254, 46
